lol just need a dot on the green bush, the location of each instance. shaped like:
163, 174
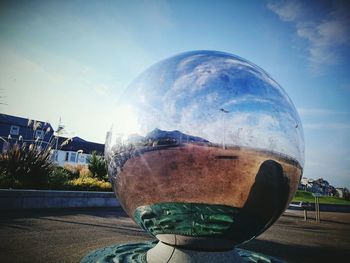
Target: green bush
59, 179
98, 166
86, 183
5, 180
25, 167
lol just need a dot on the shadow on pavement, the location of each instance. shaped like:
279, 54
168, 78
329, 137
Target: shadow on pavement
297, 253
132, 229
311, 219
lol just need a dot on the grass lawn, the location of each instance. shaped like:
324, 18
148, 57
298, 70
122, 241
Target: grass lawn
308, 197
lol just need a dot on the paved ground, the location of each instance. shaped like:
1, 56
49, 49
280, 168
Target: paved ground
67, 235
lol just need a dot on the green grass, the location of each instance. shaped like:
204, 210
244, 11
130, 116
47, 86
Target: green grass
308, 197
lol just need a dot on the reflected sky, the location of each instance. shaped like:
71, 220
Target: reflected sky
217, 96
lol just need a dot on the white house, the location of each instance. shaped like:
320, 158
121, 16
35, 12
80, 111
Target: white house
75, 151
340, 192
70, 157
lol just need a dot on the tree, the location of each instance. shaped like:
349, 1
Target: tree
98, 166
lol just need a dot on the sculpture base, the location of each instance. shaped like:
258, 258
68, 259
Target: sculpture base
154, 252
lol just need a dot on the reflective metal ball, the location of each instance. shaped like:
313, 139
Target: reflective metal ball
207, 152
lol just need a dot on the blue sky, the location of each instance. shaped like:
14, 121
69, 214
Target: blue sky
73, 59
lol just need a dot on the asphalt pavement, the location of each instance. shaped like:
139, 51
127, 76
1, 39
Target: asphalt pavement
66, 235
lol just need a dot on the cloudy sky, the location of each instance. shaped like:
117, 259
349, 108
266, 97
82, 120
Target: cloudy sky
73, 60
187, 92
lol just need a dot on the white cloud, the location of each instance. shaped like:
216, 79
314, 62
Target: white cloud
192, 100
212, 97
245, 99
287, 11
325, 34
188, 61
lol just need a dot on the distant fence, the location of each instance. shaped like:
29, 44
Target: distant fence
29, 199
326, 208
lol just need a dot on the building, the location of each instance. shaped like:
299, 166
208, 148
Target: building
342, 192
64, 150
17, 129
74, 151
319, 186
303, 184
322, 187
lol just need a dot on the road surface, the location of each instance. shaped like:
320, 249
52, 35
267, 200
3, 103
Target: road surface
66, 235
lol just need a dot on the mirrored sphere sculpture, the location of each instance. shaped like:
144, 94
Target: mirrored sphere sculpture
207, 152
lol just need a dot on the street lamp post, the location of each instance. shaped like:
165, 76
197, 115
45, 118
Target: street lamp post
223, 111
317, 207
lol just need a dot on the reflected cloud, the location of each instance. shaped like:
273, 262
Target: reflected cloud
186, 92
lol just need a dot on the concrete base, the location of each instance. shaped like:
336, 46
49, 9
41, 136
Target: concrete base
17, 199
154, 252
164, 253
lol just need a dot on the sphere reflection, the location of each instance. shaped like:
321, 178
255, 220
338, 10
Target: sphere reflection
210, 149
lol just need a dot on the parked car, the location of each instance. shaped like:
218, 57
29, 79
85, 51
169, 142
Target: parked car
301, 204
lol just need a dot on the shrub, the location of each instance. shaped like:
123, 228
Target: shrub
22, 167
59, 179
72, 170
31, 167
98, 166
5, 181
86, 183
85, 172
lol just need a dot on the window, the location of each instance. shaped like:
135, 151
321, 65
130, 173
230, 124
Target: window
39, 134
14, 130
67, 155
81, 158
73, 157
54, 156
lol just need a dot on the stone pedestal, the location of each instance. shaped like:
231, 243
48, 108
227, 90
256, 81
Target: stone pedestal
158, 252
164, 253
